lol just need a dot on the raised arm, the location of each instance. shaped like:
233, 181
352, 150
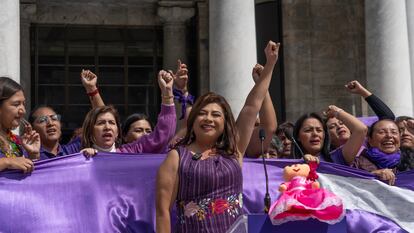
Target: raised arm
247, 116
166, 192
357, 128
158, 140
183, 99
268, 120
376, 104
89, 80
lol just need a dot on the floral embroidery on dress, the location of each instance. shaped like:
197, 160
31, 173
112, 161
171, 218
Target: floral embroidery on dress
14, 149
208, 207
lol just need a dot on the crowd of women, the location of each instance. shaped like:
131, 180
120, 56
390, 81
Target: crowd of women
202, 172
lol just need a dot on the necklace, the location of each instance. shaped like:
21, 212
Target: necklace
14, 148
198, 155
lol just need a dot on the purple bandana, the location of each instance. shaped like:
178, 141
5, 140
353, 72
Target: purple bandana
179, 96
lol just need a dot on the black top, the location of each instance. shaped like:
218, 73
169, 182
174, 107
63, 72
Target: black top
407, 160
380, 108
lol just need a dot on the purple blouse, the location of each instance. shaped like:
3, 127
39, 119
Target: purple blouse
338, 157
157, 141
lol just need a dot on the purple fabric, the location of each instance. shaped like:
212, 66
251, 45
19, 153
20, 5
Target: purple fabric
338, 157
157, 141
179, 96
70, 148
114, 192
368, 121
381, 159
214, 178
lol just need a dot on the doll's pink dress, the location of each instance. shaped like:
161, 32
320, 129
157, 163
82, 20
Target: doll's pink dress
300, 202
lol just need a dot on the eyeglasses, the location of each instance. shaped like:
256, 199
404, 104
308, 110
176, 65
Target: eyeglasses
45, 119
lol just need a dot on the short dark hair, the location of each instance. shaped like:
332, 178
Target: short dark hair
403, 118
286, 126
32, 118
371, 128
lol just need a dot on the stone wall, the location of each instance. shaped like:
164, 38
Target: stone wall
324, 48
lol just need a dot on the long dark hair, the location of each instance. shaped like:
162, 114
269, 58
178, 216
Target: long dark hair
8, 87
228, 140
298, 125
89, 123
132, 119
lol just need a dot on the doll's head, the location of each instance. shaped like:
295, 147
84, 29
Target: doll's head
295, 170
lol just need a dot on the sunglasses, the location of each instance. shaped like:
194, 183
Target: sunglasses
45, 119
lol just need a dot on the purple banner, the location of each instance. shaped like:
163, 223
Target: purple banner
116, 193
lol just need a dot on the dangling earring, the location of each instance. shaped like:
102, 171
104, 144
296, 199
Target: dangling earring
220, 143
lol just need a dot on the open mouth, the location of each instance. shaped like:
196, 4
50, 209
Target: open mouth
207, 127
107, 136
388, 144
342, 132
315, 142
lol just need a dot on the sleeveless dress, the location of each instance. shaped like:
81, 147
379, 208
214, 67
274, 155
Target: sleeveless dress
209, 197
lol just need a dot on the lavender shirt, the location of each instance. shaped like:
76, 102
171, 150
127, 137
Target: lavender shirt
157, 141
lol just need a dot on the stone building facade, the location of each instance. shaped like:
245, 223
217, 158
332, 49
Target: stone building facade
325, 44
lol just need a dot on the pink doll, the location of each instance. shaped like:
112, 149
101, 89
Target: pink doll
301, 198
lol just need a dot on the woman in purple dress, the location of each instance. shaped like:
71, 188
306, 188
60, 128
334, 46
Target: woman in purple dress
203, 174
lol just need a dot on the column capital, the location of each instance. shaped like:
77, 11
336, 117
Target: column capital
175, 12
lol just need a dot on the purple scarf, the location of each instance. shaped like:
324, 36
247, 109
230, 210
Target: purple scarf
381, 159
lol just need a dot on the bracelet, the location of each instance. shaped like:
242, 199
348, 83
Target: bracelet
336, 114
167, 96
93, 93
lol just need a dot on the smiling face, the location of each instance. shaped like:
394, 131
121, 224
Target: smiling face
105, 130
311, 136
338, 132
209, 123
47, 124
12, 110
407, 138
385, 136
295, 170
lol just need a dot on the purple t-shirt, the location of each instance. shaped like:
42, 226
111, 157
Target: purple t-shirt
71, 148
338, 157
157, 141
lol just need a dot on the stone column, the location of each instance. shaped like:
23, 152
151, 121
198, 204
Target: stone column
174, 15
232, 49
410, 25
10, 39
387, 53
